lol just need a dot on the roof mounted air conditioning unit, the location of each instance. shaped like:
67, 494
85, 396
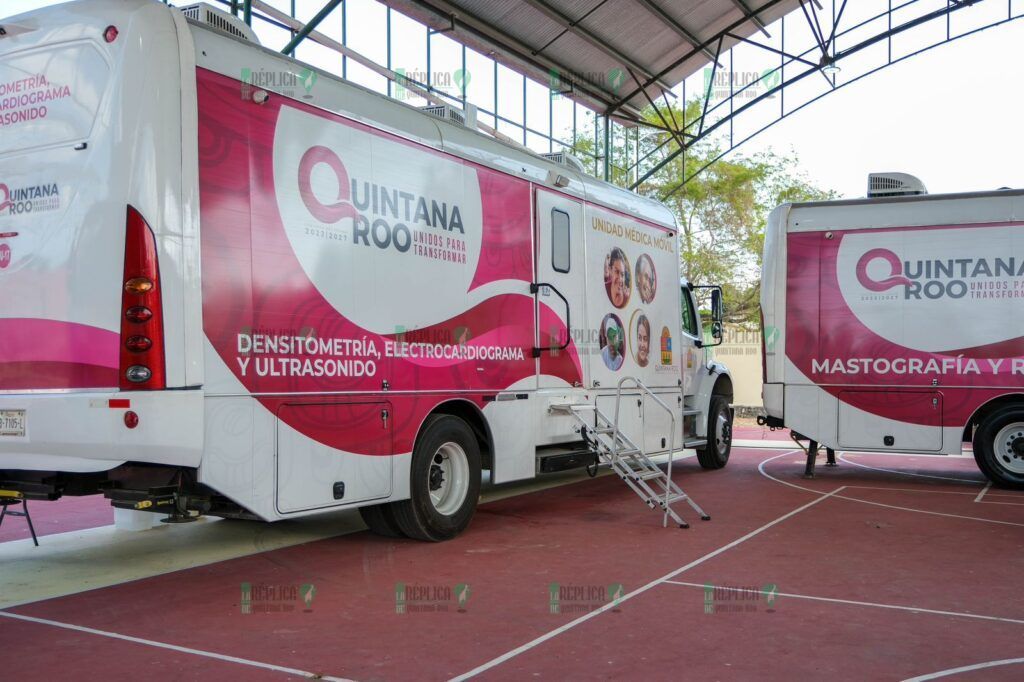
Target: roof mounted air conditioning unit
463, 117
566, 159
220, 20
894, 185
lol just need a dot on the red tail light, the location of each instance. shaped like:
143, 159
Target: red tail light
764, 351
142, 325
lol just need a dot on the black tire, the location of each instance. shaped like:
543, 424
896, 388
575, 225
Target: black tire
381, 520
418, 517
1002, 461
715, 454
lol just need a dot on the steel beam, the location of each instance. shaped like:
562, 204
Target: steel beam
671, 22
596, 41
518, 50
697, 50
742, 6
309, 26
294, 24
705, 131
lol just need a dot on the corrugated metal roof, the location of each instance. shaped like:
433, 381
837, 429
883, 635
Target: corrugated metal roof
599, 48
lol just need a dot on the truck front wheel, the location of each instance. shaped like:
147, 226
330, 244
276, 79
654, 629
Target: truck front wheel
715, 453
999, 446
444, 481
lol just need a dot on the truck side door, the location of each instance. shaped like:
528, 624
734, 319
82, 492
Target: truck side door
560, 269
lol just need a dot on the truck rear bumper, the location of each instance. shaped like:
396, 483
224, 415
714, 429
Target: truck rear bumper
773, 400
78, 431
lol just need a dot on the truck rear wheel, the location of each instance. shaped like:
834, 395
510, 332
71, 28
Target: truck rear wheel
380, 518
999, 446
444, 481
715, 454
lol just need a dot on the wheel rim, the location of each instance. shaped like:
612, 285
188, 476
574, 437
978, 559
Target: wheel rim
1009, 447
723, 431
448, 478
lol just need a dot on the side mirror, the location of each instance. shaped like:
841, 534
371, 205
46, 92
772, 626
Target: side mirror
716, 332
717, 310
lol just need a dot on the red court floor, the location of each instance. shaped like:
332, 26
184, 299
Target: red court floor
882, 568
66, 514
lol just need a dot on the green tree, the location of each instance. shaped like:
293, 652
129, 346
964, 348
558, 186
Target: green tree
721, 204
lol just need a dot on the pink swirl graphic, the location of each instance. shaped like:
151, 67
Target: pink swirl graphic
895, 278
324, 213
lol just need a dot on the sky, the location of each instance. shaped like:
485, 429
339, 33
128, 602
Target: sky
950, 116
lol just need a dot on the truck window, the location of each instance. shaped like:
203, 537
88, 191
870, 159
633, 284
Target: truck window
559, 240
689, 319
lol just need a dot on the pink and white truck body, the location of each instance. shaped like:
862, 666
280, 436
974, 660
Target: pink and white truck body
895, 324
235, 285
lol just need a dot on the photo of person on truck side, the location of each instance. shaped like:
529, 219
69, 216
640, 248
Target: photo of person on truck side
617, 278
646, 278
613, 341
641, 339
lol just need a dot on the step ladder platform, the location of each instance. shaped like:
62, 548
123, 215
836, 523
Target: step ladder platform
613, 447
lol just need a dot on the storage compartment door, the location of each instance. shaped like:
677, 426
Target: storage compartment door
912, 421
332, 453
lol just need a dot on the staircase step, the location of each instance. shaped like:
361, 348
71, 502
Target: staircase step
672, 499
648, 475
692, 412
569, 408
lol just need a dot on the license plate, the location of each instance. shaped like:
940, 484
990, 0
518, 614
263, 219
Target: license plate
12, 423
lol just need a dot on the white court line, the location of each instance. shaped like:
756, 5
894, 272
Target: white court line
172, 647
929, 492
760, 468
654, 583
940, 492
964, 669
852, 602
988, 484
842, 458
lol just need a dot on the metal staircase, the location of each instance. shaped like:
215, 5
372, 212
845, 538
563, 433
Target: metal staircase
612, 447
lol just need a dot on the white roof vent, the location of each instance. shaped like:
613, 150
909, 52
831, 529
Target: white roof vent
894, 185
460, 117
220, 20
566, 159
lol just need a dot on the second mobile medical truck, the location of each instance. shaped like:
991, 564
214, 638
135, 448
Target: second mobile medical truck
895, 323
